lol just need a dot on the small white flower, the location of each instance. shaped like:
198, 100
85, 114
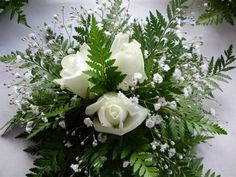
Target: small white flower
47, 52
95, 143
138, 76
75, 167
55, 16
157, 106
28, 75
204, 68
103, 158
88, 122
166, 68
102, 138
107, 33
157, 119
164, 147
17, 102
17, 75
70, 51
177, 74
125, 164
18, 58
62, 124
212, 112
44, 119
74, 98
162, 101
29, 126
73, 133
157, 78
32, 36
154, 144
172, 104
179, 33
145, 53
134, 100
171, 152
16, 89
68, 144
150, 123
34, 109
187, 91
205, 4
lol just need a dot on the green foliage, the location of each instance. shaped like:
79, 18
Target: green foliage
143, 164
211, 174
63, 108
8, 58
167, 149
51, 157
83, 30
116, 14
15, 7
221, 64
158, 29
12, 122
196, 121
210, 18
38, 129
218, 11
103, 74
218, 67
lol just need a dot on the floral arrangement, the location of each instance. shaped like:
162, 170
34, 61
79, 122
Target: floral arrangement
15, 7
218, 11
103, 94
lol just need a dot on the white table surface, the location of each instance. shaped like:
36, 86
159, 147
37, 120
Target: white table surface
219, 153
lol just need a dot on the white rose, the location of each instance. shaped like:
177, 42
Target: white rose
72, 74
128, 58
116, 114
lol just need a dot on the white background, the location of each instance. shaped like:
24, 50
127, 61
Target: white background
219, 153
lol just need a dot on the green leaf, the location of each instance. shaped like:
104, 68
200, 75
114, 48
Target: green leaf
103, 74
143, 165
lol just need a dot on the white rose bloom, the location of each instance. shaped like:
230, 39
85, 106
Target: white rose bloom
72, 74
116, 114
128, 58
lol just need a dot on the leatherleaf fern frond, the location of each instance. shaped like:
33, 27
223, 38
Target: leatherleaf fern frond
218, 11
83, 30
217, 68
156, 31
144, 164
104, 74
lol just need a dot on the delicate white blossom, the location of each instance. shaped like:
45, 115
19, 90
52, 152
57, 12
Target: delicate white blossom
187, 91
88, 122
157, 78
157, 106
150, 123
125, 164
75, 167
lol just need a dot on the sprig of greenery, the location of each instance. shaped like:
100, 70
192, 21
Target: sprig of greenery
218, 11
15, 7
103, 74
